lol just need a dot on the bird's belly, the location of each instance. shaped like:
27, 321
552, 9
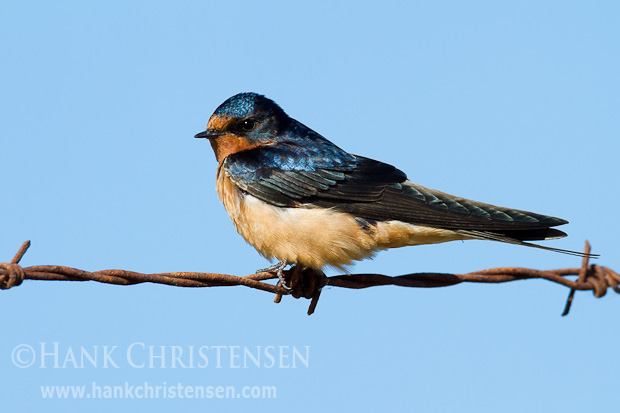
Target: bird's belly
316, 237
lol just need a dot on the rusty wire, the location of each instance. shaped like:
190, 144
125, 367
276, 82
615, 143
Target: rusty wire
308, 283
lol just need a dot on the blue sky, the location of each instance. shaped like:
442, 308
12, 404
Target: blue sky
514, 104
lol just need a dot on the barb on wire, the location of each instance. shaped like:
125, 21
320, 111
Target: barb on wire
308, 283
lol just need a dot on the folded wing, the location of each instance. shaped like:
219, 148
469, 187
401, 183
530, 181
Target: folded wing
376, 191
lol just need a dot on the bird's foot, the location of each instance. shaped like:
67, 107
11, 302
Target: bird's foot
278, 268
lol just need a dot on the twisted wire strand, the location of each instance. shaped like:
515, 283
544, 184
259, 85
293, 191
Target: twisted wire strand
308, 284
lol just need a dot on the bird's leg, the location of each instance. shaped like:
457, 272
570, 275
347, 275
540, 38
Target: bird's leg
279, 267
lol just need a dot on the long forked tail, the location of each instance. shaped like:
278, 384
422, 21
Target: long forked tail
553, 233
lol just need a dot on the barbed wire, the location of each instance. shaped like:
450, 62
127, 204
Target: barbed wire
309, 284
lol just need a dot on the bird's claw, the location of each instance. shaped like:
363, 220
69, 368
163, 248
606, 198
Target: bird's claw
278, 268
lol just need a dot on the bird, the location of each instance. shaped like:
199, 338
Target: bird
298, 198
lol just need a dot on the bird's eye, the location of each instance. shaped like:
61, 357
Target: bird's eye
247, 125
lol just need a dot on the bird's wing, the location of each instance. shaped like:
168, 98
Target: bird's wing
373, 190
289, 176
327, 177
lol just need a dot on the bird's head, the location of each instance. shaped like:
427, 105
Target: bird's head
243, 122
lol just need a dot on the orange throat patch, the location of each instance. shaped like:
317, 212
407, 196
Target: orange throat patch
228, 144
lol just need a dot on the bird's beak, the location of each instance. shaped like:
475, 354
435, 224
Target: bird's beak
209, 134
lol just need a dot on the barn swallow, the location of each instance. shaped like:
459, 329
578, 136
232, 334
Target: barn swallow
297, 197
